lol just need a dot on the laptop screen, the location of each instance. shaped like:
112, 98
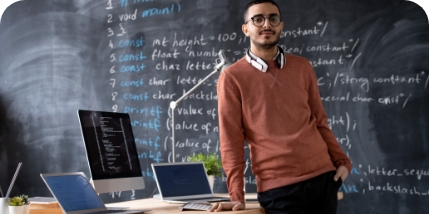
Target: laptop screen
73, 192
181, 179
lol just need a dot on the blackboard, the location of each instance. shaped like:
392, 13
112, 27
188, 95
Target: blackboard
136, 56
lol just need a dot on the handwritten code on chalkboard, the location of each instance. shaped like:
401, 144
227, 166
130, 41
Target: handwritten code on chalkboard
136, 56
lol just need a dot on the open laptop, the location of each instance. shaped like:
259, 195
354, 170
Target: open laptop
75, 194
183, 182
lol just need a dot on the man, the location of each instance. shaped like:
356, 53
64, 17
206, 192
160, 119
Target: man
271, 100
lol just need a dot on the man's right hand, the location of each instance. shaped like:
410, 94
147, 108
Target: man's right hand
235, 205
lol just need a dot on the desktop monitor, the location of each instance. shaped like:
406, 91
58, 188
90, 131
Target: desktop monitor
111, 151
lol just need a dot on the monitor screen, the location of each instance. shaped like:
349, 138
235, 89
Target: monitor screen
110, 149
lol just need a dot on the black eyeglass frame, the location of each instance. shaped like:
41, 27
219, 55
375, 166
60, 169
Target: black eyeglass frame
265, 19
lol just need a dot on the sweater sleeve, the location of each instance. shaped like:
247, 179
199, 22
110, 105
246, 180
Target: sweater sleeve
231, 136
336, 153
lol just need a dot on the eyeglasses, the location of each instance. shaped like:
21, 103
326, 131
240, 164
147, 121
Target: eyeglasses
259, 20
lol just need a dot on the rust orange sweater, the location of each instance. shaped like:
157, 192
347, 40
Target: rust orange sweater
281, 116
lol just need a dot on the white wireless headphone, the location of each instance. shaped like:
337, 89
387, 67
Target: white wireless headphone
261, 65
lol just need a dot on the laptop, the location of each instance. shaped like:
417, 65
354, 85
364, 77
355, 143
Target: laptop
183, 182
75, 194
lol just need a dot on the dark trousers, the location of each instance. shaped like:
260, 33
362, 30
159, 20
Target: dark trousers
314, 196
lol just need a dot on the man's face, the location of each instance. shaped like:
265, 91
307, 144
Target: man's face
267, 35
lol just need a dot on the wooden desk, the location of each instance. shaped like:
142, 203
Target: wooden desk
52, 208
156, 206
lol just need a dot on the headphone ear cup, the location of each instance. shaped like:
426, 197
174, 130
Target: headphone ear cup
279, 61
263, 64
259, 63
280, 58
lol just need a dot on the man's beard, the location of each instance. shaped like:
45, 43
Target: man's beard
267, 45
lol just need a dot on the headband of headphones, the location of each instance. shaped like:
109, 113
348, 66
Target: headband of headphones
261, 65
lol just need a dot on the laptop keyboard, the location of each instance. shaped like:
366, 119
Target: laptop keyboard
116, 211
204, 199
195, 206
112, 211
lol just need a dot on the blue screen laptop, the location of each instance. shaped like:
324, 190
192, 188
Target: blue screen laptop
75, 194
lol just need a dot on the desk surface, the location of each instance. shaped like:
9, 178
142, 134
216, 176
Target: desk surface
156, 206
